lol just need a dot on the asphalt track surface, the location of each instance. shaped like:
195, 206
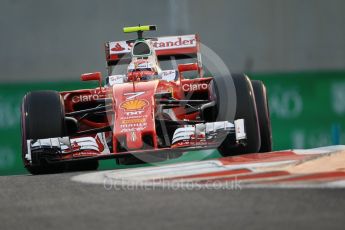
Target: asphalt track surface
56, 202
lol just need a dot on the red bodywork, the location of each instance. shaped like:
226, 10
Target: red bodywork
133, 110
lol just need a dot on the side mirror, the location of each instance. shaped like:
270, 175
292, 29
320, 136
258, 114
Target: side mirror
188, 67
96, 76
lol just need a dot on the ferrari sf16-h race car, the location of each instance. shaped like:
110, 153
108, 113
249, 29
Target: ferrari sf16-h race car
156, 104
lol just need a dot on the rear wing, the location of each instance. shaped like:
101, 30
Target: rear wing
164, 46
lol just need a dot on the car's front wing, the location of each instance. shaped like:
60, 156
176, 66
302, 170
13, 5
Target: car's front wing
186, 138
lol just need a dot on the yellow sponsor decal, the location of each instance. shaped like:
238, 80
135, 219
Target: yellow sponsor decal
133, 105
133, 121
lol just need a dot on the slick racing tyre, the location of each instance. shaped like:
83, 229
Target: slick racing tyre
245, 109
42, 116
263, 115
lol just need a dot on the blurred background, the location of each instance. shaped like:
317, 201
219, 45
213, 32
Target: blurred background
296, 47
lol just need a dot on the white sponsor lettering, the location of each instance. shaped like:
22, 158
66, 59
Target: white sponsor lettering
85, 98
134, 127
130, 96
134, 113
162, 43
178, 42
168, 75
133, 136
143, 65
116, 79
194, 87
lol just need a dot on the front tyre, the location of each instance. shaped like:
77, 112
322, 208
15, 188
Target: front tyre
245, 108
42, 116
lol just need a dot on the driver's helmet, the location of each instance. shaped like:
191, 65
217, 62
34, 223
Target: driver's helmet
141, 70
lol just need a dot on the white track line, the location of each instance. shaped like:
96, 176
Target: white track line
145, 175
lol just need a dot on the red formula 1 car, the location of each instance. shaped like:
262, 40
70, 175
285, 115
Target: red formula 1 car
156, 104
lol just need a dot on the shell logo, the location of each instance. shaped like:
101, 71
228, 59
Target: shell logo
137, 104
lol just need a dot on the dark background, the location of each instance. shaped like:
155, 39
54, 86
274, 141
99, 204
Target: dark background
296, 47
54, 40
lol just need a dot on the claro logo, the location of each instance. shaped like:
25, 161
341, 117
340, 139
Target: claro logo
85, 98
194, 87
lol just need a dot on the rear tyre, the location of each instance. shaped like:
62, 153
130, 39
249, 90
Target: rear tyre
42, 116
263, 115
245, 109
